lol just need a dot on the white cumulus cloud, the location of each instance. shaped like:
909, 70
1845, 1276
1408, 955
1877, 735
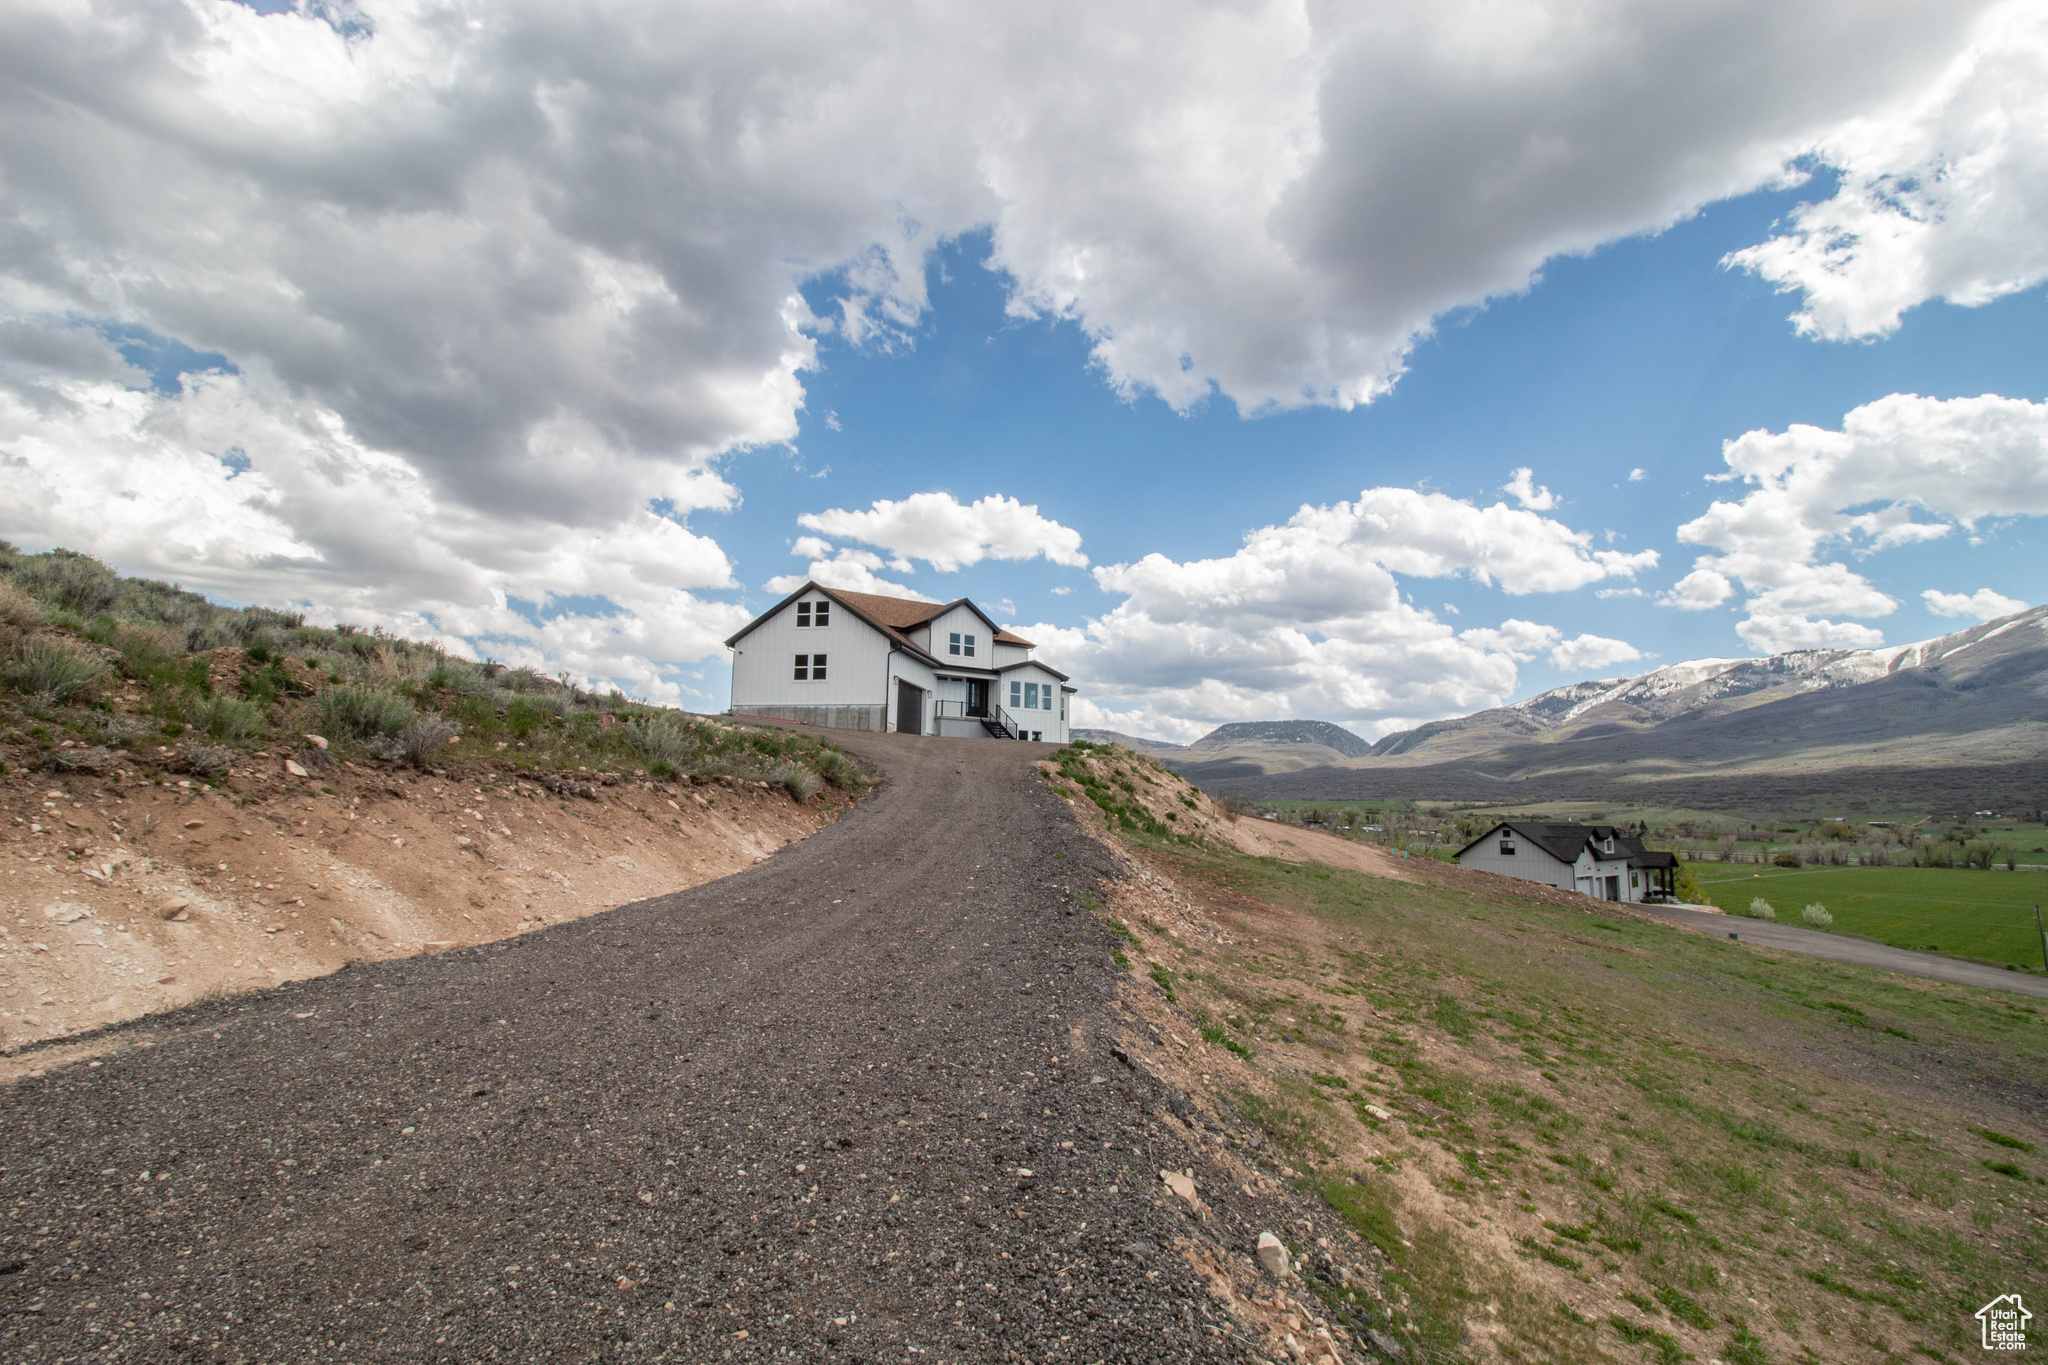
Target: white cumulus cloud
1522, 487
939, 529
305, 516
1983, 604
1308, 618
1584, 652
1902, 469
542, 266
1942, 194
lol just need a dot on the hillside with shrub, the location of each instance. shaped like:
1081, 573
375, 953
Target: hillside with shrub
101, 669
202, 800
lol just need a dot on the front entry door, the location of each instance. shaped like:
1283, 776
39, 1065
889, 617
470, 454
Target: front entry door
909, 708
977, 697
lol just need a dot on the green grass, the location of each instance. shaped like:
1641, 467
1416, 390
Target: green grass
1656, 1112
1988, 915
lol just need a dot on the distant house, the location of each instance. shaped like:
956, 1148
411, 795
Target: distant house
861, 661
1603, 861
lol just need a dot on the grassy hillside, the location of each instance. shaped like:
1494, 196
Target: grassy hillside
1577, 1134
99, 672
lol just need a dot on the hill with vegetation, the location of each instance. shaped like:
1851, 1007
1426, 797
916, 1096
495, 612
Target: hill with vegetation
204, 800
1953, 724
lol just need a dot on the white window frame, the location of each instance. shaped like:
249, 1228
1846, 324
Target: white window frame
814, 616
953, 642
1016, 695
967, 645
809, 668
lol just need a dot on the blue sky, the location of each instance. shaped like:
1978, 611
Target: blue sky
1647, 354
572, 337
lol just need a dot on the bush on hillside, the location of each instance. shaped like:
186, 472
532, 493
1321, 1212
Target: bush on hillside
1761, 909
662, 742
1817, 915
423, 740
363, 715
801, 783
228, 718
53, 671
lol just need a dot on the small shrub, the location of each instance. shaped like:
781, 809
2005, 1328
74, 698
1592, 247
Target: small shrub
661, 740
45, 668
207, 759
363, 715
91, 759
18, 611
836, 769
526, 713
422, 741
1786, 859
801, 783
1817, 915
461, 677
227, 718
1761, 909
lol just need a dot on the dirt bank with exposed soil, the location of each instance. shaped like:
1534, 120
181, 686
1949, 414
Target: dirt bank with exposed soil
122, 896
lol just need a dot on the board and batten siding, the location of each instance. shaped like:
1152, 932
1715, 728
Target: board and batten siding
1051, 721
857, 672
1529, 862
1007, 655
966, 623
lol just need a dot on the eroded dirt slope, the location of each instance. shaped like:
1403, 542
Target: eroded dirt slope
120, 898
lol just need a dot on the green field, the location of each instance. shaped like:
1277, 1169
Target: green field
1988, 915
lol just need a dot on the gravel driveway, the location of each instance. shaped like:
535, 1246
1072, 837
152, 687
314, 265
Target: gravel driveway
854, 1104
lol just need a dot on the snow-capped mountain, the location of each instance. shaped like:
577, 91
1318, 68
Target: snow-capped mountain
1699, 688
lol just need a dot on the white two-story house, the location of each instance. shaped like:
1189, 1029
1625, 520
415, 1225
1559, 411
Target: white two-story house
859, 661
1598, 860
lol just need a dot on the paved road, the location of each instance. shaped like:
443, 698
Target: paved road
781, 1116
1837, 948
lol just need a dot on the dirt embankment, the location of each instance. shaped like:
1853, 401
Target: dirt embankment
124, 896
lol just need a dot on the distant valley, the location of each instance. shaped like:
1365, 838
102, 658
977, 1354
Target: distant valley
1947, 725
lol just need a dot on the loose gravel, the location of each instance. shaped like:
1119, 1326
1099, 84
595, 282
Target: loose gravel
856, 1104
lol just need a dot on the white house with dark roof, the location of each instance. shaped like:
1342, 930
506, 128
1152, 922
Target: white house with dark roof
1603, 861
860, 661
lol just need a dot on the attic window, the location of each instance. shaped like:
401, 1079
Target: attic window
1607, 847
811, 614
1507, 845
962, 645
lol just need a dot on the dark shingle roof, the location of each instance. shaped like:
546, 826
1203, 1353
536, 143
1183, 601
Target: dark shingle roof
1564, 840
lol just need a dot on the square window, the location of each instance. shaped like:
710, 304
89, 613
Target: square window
803, 667
967, 645
817, 668
1507, 847
953, 643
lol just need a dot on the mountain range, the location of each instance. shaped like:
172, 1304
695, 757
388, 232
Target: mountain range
1953, 724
